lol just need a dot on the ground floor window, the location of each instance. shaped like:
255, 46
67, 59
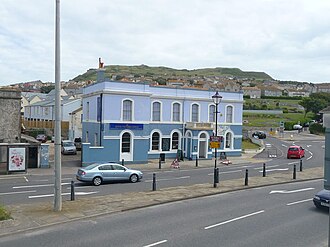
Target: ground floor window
175, 140
126, 143
155, 141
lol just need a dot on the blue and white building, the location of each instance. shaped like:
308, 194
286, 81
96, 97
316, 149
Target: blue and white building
137, 122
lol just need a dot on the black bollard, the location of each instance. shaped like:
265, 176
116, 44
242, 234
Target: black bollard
294, 171
160, 163
246, 177
218, 175
72, 190
122, 162
301, 168
215, 178
153, 182
264, 170
196, 161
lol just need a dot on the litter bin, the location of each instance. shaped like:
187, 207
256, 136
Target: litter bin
162, 157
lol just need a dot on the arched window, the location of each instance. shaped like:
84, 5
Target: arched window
126, 143
156, 111
127, 110
175, 140
228, 140
229, 114
176, 112
195, 113
155, 141
212, 113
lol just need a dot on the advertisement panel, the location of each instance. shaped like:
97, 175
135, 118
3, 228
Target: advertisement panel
16, 159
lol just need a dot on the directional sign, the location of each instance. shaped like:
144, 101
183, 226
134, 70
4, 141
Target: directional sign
215, 141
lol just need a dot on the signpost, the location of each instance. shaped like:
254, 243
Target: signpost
215, 141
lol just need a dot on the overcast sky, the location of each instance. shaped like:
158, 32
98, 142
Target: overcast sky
288, 39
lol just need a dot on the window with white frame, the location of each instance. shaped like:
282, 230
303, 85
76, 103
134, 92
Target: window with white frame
126, 143
229, 114
176, 112
155, 141
194, 113
212, 113
175, 140
127, 110
156, 111
228, 140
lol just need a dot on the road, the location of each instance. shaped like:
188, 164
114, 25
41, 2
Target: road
32, 188
281, 215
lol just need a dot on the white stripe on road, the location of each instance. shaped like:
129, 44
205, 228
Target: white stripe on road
292, 163
157, 243
279, 169
166, 179
26, 179
297, 202
17, 192
289, 191
235, 219
259, 168
309, 157
36, 186
64, 194
225, 172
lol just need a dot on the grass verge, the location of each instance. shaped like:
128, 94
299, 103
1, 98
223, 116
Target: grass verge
247, 144
4, 214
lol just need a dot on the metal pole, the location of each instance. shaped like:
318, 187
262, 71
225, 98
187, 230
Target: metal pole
196, 161
160, 163
215, 178
264, 170
57, 157
153, 182
72, 191
122, 162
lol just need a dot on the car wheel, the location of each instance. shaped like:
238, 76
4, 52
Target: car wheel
134, 178
97, 181
288, 157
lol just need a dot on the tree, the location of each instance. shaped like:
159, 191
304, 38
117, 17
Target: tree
312, 104
46, 89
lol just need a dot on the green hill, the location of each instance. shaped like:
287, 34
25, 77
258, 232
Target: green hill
155, 72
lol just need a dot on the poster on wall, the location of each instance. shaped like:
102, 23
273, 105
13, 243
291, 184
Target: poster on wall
16, 159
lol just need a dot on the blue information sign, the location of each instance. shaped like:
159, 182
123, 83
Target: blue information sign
121, 126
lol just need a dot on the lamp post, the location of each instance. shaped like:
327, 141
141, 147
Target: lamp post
216, 99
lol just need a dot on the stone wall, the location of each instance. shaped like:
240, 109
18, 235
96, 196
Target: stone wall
10, 118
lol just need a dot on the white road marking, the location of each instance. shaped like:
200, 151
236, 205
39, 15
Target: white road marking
64, 194
225, 172
292, 163
26, 179
308, 146
36, 186
289, 191
238, 167
17, 192
235, 219
309, 157
279, 169
284, 146
157, 243
9, 177
259, 168
166, 179
297, 202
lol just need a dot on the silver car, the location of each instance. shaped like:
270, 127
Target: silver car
99, 173
68, 147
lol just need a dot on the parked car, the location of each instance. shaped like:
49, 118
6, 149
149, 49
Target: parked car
295, 152
297, 127
77, 143
106, 172
259, 134
68, 147
42, 138
321, 199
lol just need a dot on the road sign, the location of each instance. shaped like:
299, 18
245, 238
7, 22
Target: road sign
215, 141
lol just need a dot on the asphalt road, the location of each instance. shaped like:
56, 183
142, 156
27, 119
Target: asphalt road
32, 188
281, 215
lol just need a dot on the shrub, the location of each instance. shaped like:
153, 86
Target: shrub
4, 215
289, 125
316, 129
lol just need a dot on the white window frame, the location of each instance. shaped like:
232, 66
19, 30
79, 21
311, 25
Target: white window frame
209, 113
231, 140
179, 139
172, 111
160, 111
160, 139
232, 114
191, 112
122, 110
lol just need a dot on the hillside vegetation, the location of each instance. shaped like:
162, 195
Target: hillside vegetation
154, 72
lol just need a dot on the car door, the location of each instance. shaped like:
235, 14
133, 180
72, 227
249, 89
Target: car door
107, 172
119, 172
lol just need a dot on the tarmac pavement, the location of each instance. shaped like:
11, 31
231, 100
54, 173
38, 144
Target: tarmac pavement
29, 217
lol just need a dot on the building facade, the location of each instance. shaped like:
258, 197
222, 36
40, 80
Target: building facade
137, 122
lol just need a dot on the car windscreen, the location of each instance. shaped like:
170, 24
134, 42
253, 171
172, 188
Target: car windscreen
68, 144
293, 149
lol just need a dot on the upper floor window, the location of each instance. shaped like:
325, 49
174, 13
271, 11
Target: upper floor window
176, 112
127, 110
229, 114
175, 140
212, 113
195, 113
156, 111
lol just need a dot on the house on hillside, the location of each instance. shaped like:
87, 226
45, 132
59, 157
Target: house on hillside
323, 87
30, 98
148, 122
296, 92
270, 91
253, 92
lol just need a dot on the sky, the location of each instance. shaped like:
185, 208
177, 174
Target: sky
287, 39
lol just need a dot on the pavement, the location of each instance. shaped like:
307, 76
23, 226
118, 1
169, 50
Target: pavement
29, 217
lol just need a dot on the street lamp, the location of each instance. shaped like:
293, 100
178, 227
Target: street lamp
216, 99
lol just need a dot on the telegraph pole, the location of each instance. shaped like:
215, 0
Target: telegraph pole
57, 143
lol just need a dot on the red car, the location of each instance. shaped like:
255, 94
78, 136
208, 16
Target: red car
295, 152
